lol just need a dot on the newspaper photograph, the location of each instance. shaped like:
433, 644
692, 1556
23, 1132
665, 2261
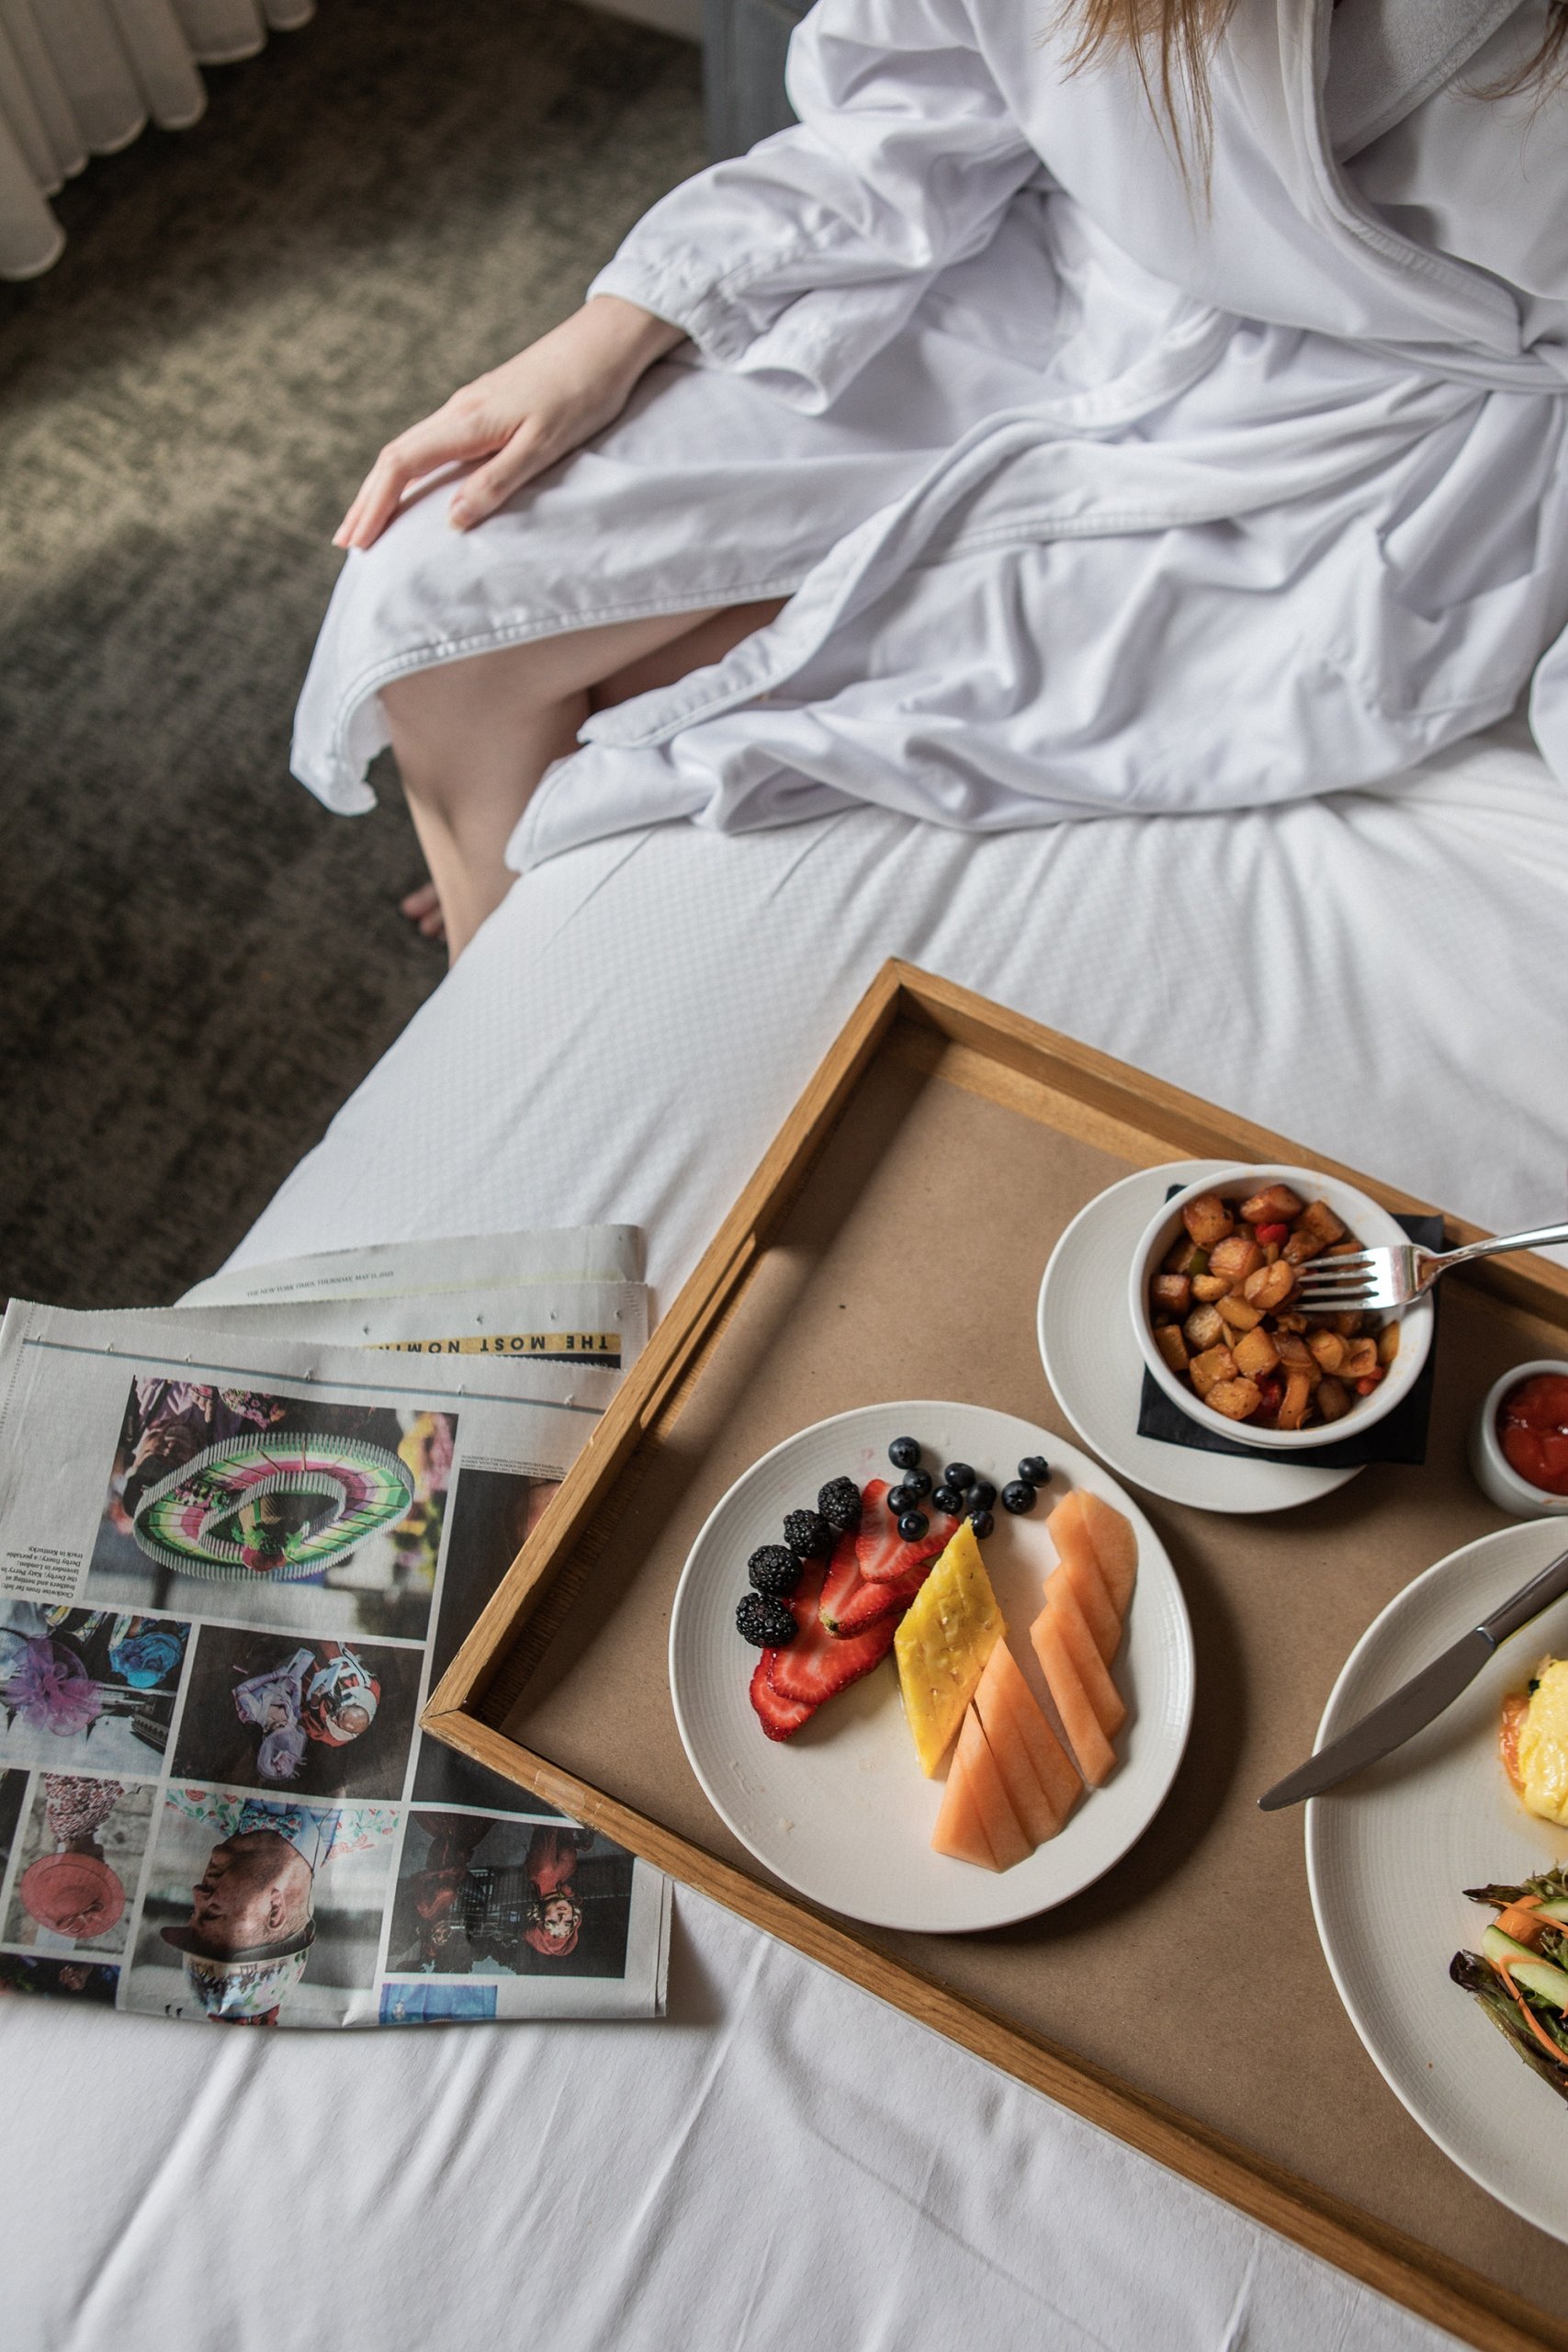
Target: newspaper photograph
233, 1564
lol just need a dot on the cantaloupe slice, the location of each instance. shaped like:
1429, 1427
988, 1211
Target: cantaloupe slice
958, 1830
973, 1763
1008, 1716
1082, 1526
1096, 1757
1093, 1600
1062, 1602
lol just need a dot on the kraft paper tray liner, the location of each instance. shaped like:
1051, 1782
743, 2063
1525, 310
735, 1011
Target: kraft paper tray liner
908, 1267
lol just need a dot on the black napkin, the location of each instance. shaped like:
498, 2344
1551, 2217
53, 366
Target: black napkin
1400, 1436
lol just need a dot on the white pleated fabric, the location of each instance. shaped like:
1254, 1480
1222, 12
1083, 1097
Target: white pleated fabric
84, 77
785, 2166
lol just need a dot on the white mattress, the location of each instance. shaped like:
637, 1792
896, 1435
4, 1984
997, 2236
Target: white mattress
784, 2162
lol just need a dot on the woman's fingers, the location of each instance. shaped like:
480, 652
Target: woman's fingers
459, 430
531, 448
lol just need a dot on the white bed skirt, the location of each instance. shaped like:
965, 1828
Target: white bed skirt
84, 77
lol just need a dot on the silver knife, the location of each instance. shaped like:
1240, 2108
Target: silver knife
1421, 1700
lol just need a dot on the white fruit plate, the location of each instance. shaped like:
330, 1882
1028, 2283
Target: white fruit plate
842, 1811
1389, 1855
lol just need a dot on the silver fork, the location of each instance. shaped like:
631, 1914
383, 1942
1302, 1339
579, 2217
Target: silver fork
1380, 1282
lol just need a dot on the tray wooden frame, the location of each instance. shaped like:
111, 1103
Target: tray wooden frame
982, 1046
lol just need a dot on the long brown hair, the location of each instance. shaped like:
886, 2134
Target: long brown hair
1172, 40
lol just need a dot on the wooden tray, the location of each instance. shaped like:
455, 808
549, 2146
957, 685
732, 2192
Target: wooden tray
938, 1152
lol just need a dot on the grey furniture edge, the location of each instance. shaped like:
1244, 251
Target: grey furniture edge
744, 45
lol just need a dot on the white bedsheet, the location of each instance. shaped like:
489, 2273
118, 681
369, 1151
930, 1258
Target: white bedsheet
785, 2162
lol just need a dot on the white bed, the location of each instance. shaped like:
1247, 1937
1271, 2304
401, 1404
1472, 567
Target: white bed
784, 2162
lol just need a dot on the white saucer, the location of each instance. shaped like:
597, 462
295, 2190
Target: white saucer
1389, 1855
842, 1811
1096, 1373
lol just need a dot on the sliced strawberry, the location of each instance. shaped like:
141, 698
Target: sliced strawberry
882, 1552
850, 1604
779, 1718
819, 1663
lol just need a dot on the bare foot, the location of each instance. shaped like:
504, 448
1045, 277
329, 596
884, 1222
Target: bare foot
424, 907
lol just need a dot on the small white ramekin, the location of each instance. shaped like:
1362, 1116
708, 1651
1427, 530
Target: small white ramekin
1372, 1225
1494, 1473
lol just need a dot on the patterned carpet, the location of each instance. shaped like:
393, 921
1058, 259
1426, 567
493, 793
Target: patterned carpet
196, 962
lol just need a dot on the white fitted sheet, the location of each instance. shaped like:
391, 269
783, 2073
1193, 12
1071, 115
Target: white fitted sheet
784, 2162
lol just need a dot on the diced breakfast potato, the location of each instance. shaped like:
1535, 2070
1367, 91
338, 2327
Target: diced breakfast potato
1207, 1370
1207, 1219
1275, 1205
1235, 1257
1236, 1399
1269, 1287
1204, 1328
1227, 1312
1319, 1218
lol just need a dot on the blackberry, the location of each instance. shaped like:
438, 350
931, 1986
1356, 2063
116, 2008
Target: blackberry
916, 1485
948, 1501
773, 1570
1036, 1468
904, 1452
982, 1523
839, 1503
981, 1496
1018, 1495
809, 1535
761, 1619
959, 1475
913, 1525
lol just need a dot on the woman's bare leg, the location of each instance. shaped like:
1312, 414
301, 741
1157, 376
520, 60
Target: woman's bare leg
473, 738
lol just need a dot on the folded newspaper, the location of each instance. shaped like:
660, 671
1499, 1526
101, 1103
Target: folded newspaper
240, 1539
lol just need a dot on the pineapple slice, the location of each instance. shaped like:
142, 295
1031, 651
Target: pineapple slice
951, 1627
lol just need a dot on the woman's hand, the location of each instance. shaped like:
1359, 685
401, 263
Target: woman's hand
521, 416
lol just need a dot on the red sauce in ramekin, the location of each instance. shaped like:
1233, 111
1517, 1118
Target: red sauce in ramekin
1532, 1429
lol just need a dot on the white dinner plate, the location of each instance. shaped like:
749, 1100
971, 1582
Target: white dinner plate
1096, 1372
1390, 1853
842, 1811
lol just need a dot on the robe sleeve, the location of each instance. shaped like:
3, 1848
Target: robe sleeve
796, 263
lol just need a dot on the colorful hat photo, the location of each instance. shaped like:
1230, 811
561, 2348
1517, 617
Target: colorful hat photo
243, 1990
72, 1895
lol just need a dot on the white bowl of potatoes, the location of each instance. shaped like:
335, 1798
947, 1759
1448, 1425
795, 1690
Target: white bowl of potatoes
1214, 1307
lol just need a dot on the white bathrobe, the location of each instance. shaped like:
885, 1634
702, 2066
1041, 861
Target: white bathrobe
1091, 492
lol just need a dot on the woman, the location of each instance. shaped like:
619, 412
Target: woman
1157, 408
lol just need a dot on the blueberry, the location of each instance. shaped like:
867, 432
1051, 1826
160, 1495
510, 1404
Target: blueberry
1035, 1469
913, 1525
773, 1570
981, 1521
948, 1501
981, 1496
899, 1500
917, 1485
959, 1475
767, 1622
808, 1533
1019, 1496
904, 1452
